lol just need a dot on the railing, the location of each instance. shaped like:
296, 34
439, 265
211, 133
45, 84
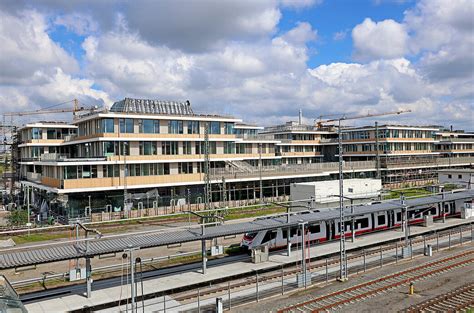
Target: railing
276, 170
256, 137
427, 161
454, 140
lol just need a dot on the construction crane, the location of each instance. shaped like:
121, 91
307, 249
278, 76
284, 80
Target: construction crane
8, 130
74, 109
342, 243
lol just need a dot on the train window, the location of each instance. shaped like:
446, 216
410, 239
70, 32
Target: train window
251, 235
399, 216
433, 211
294, 231
284, 233
381, 220
270, 235
364, 222
314, 228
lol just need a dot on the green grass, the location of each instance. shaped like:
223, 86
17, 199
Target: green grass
413, 192
35, 237
233, 215
126, 225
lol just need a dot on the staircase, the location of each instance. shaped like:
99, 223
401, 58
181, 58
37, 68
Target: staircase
241, 166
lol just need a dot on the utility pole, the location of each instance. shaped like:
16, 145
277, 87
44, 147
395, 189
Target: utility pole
342, 241
224, 191
125, 173
260, 170
207, 169
377, 154
342, 229
133, 291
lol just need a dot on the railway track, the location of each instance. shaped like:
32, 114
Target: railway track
316, 265
457, 300
381, 285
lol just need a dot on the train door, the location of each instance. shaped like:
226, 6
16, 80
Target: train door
391, 219
331, 229
452, 208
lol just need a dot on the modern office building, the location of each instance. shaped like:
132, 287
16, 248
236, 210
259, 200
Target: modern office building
154, 152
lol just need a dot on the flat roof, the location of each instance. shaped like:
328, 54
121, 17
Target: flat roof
457, 170
48, 125
391, 126
30, 255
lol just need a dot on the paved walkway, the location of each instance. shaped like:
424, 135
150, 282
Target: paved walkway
76, 301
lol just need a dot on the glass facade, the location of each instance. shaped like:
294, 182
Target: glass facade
229, 128
107, 125
215, 128
126, 125
36, 133
149, 126
193, 127
175, 127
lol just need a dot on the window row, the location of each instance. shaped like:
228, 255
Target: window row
148, 126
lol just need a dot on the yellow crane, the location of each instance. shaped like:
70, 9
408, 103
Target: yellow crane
74, 109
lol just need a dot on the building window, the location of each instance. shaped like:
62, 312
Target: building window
200, 147
148, 148
459, 176
52, 134
126, 125
175, 127
193, 127
36, 133
229, 128
108, 148
450, 176
229, 147
187, 147
111, 170
70, 172
149, 126
215, 128
169, 147
36, 152
163, 169
185, 167
107, 125
123, 148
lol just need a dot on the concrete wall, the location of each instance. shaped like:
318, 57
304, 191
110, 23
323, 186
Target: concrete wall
321, 191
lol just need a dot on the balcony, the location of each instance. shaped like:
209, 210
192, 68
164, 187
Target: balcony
34, 177
166, 157
57, 157
301, 154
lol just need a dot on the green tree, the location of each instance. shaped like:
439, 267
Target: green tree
18, 217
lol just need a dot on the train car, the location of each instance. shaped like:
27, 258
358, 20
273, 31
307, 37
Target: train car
277, 238
370, 222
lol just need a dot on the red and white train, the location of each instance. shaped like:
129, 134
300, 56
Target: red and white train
370, 222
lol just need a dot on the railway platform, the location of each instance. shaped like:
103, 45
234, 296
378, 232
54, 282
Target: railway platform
72, 302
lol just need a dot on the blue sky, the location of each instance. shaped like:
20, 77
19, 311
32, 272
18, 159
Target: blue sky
259, 60
335, 16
